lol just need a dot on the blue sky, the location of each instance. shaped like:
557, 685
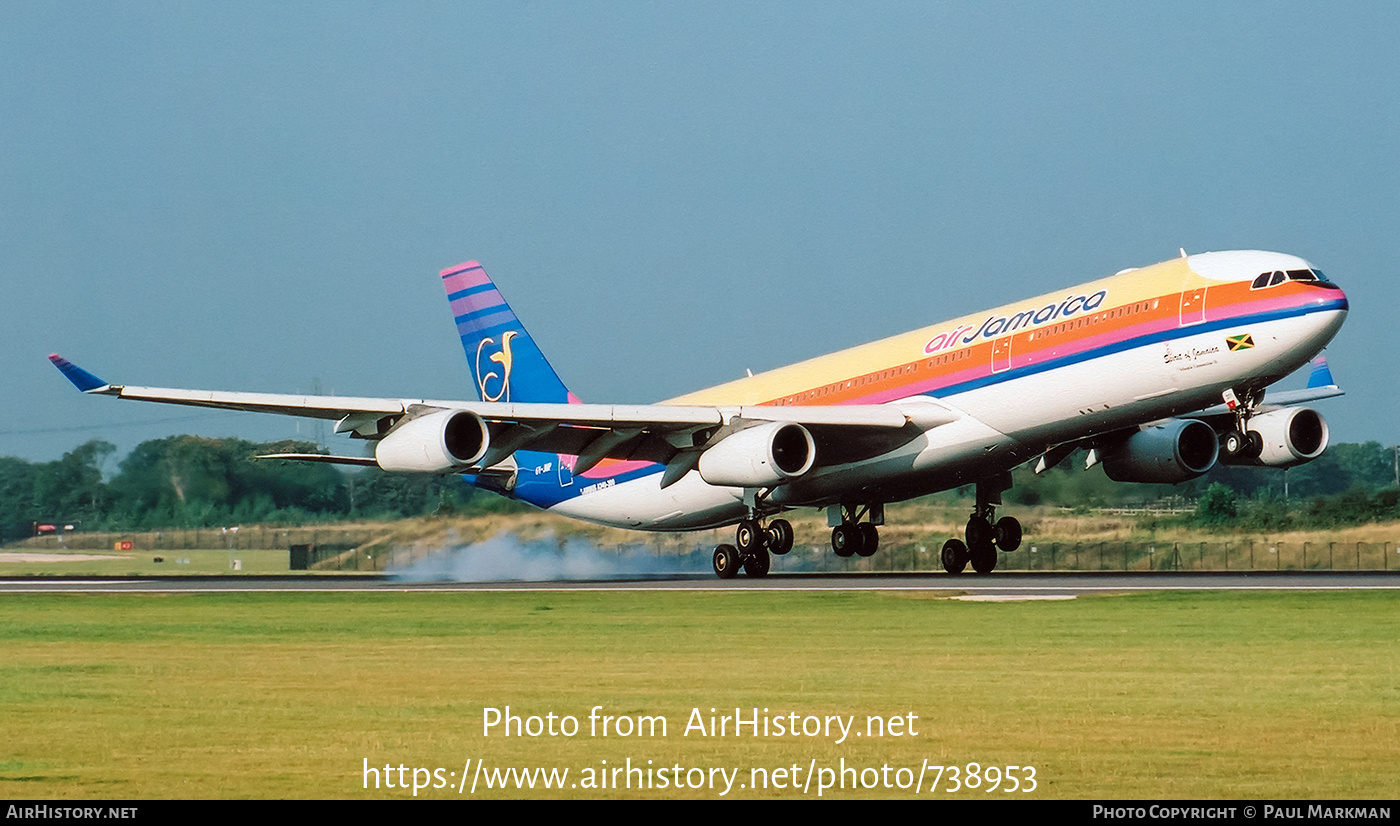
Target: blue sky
258, 196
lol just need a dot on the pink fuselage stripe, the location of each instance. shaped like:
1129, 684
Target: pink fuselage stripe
1251, 306
614, 467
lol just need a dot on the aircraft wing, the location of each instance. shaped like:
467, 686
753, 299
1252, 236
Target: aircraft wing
1275, 401
1320, 386
1221, 416
592, 432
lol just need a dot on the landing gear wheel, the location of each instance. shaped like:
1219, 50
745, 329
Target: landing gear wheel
869, 539
1234, 443
749, 536
757, 565
954, 556
780, 536
979, 532
726, 561
1256, 445
845, 539
1008, 533
984, 558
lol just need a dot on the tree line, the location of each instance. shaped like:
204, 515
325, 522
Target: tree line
196, 482
1348, 484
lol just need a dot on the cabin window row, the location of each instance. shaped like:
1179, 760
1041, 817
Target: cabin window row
859, 381
959, 355
1078, 323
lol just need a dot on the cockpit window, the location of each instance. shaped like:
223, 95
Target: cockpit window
1273, 279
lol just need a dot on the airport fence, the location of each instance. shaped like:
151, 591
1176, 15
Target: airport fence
372, 550
243, 538
1125, 556
661, 557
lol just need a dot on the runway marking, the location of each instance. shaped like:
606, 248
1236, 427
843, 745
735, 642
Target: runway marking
1011, 597
81, 582
1063, 590
28, 557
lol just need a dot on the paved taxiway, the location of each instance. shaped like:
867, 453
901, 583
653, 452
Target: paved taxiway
1006, 585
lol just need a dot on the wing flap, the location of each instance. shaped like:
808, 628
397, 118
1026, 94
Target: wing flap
324, 458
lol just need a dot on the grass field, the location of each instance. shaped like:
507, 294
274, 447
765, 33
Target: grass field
1259, 695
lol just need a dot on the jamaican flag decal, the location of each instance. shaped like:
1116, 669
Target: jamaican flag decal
1244, 342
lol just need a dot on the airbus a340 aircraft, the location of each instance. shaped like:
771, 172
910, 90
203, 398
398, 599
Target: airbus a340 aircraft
1158, 372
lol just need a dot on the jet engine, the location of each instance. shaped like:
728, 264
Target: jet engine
436, 443
1291, 436
1175, 451
760, 456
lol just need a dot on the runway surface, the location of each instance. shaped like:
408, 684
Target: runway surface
1001, 585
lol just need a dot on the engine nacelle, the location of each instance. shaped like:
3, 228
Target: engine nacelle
1173, 452
760, 456
436, 443
1292, 436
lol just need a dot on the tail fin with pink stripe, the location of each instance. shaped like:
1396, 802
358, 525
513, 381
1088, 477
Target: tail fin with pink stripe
505, 361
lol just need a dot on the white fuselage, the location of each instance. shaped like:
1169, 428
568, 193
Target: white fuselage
1005, 422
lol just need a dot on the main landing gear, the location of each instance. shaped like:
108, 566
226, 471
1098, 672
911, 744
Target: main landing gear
984, 535
852, 537
752, 545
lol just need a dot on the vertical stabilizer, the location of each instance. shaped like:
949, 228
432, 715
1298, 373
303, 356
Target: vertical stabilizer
505, 361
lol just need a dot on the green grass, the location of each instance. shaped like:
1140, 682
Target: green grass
1260, 695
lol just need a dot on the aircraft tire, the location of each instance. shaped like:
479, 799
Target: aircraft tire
726, 561
979, 532
869, 539
845, 539
780, 536
757, 565
1008, 533
749, 536
983, 558
1234, 443
954, 556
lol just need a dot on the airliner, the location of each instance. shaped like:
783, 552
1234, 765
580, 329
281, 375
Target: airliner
1158, 373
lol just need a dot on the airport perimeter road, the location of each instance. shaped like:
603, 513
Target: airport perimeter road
1001, 585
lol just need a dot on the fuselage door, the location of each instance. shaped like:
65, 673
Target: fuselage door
1001, 354
1193, 306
